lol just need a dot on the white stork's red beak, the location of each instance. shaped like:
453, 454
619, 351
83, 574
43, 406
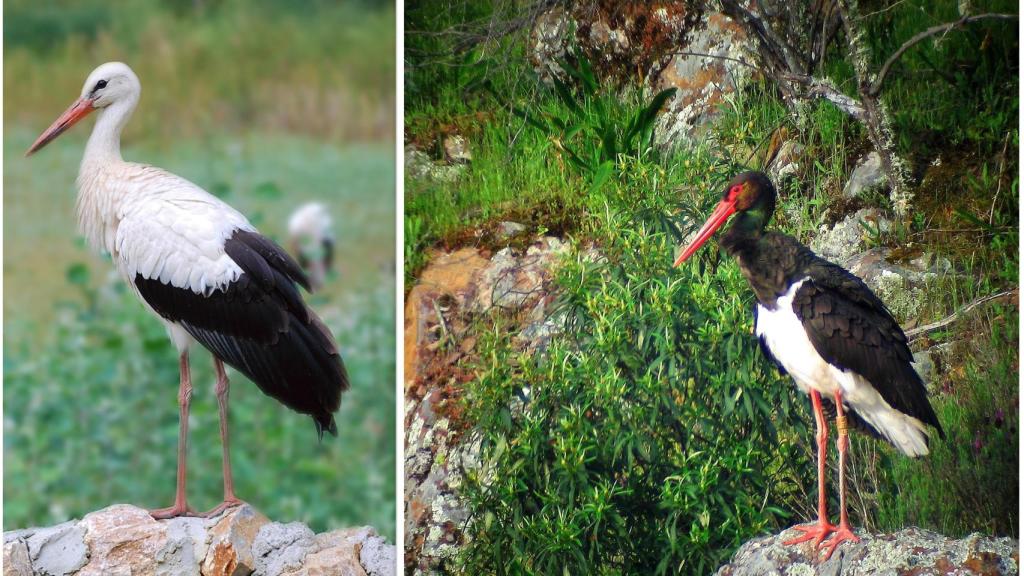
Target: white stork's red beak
80, 109
721, 213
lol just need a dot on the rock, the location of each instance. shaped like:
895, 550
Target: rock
786, 162
509, 229
456, 149
16, 561
622, 40
549, 41
229, 542
123, 539
58, 550
866, 177
280, 548
702, 82
849, 237
909, 551
899, 285
440, 449
419, 166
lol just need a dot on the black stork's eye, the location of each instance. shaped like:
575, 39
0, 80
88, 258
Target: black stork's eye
100, 85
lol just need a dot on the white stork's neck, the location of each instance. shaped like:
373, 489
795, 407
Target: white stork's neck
104, 145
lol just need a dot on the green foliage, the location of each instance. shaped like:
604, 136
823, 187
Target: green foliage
655, 437
322, 69
587, 127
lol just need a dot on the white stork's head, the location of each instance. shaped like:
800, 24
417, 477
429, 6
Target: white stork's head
110, 85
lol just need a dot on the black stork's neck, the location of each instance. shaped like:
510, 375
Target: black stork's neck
770, 261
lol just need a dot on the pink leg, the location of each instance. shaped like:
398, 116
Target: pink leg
222, 390
819, 531
843, 532
180, 507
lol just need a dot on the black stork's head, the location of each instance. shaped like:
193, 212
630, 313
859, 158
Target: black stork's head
751, 197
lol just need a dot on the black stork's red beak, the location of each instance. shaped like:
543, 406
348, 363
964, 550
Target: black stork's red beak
721, 213
78, 110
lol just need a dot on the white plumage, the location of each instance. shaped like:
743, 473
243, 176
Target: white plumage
311, 240
203, 270
786, 337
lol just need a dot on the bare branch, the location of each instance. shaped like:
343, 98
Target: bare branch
916, 332
716, 56
876, 87
826, 90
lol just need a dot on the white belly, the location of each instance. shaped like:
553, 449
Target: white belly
787, 340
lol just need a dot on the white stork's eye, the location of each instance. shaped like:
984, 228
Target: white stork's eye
100, 85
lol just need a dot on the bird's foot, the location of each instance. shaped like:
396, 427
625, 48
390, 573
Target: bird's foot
841, 534
172, 512
217, 510
816, 532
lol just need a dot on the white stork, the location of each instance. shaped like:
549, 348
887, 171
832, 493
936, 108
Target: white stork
204, 270
311, 240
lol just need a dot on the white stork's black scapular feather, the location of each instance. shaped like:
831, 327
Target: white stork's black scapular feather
259, 325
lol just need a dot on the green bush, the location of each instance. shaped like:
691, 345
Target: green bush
655, 437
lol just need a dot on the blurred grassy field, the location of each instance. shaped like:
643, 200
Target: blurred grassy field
267, 107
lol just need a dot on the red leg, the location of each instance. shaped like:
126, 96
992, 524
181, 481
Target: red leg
180, 507
843, 532
820, 530
223, 385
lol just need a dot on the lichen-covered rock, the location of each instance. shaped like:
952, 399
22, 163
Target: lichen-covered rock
849, 236
901, 285
668, 44
123, 539
440, 449
420, 166
911, 551
867, 176
456, 149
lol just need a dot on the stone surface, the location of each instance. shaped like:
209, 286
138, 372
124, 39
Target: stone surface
702, 82
849, 237
867, 176
419, 166
911, 551
456, 149
786, 162
899, 284
125, 540
440, 449
658, 41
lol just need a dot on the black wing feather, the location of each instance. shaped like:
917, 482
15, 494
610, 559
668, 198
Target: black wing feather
260, 326
852, 329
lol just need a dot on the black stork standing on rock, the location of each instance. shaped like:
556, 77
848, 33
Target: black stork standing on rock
825, 327
204, 270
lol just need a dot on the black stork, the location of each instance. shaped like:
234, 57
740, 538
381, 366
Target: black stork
823, 326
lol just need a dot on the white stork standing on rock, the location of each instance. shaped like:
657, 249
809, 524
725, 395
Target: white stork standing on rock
204, 270
311, 240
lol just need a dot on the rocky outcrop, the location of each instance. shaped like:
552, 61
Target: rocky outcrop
440, 448
910, 552
671, 44
123, 539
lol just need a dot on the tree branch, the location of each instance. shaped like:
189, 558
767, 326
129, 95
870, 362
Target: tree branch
876, 87
916, 332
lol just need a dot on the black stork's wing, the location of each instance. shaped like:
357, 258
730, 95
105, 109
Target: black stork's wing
852, 329
260, 326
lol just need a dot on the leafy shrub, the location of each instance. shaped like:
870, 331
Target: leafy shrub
655, 437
